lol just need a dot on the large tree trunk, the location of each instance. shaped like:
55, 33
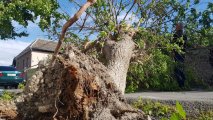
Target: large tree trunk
77, 87
118, 55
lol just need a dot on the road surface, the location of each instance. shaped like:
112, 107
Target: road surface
10, 90
192, 101
180, 96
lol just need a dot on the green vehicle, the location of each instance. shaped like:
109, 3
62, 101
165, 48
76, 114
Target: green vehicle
9, 76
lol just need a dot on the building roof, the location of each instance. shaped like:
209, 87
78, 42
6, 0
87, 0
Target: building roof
44, 45
40, 45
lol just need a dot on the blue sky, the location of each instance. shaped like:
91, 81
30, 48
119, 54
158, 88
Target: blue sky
10, 48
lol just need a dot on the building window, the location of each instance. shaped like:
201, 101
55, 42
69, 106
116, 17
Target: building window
23, 65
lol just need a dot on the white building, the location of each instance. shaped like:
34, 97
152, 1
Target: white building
36, 51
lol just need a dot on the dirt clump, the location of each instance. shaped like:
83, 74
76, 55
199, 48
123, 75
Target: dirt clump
76, 87
7, 110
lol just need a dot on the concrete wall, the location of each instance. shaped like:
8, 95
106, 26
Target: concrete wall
200, 60
38, 56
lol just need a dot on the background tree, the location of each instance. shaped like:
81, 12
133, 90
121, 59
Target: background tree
42, 12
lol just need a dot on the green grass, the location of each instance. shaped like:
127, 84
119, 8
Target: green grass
21, 86
7, 96
168, 112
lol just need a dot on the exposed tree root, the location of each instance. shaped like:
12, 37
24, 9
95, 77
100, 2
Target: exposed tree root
76, 87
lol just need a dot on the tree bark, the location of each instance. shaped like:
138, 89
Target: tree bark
118, 55
77, 87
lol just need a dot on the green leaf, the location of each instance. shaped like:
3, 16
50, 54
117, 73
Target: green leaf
180, 110
103, 34
175, 117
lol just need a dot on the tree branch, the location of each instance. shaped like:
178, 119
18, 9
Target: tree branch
85, 11
67, 25
129, 10
112, 11
119, 10
85, 19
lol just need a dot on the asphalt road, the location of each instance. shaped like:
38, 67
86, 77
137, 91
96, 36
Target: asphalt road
180, 96
10, 90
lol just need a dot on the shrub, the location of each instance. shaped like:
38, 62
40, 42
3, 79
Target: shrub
7, 96
154, 109
155, 74
21, 86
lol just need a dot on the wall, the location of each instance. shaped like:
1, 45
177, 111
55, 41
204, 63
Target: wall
23, 61
37, 56
200, 59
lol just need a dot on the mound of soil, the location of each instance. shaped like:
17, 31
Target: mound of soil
7, 110
76, 87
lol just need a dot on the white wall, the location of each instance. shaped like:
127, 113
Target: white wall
38, 56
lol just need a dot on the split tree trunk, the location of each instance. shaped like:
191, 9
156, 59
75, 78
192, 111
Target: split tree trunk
118, 55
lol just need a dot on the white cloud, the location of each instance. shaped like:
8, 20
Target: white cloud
9, 49
30, 24
130, 18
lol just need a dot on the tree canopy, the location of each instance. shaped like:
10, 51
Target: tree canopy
158, 15
23, 12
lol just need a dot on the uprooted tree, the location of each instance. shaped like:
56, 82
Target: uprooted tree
80, 87
106, 18
76, 86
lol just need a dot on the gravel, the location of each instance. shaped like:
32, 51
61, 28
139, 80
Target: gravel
193, 102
